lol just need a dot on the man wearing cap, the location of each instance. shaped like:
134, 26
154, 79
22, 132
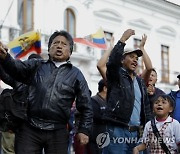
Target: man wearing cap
175, 95
127, 103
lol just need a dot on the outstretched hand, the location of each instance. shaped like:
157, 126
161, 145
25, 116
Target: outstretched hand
126, 35
143, 41
151, 89
3, 51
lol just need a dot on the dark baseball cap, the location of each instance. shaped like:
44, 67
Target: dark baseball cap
137, 51
178, 76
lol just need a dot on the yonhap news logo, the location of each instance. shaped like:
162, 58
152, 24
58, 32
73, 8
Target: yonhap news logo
103, 140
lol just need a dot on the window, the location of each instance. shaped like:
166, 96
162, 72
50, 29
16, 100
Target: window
140, 61
70, 22
164, 64
26, 15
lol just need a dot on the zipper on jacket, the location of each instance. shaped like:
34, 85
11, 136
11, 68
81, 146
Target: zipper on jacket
47, 104
116, 106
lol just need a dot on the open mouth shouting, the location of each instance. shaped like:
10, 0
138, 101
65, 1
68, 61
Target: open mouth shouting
59, 53
159, 109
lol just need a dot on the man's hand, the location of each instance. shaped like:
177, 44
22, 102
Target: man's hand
126, 35
82, 138
143, 41
135, 150
150, 89
3, 51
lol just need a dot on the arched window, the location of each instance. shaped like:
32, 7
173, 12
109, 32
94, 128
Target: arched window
70, 22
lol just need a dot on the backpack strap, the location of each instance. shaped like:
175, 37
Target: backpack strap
159, 137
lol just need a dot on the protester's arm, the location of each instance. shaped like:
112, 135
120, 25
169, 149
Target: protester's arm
139, 148
6, 78
147, 61
84, 107
101, 65
118, 50
21, 71
116, 55
17, 69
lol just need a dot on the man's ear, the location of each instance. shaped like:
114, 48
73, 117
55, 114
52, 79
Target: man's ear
156, 80
105, 88
171, 110
122, 61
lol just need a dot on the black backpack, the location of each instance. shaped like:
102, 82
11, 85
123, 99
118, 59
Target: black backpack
13, 108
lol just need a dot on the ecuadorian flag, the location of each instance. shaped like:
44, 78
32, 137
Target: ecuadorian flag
26, 43
98, 39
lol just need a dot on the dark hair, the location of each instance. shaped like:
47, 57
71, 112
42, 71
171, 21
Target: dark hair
178, 76
61, 33
166, 96
153, 69
101, 84
37, 56
123, 57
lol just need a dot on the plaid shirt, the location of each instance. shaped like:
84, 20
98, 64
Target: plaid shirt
168, 129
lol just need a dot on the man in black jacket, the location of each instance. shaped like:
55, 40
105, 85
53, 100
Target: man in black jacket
127, 103
54, 86
99, 125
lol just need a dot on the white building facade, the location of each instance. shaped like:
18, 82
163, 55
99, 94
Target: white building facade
158, 19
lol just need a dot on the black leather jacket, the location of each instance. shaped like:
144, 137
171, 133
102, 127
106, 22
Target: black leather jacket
121, 91
52, 92
7, 79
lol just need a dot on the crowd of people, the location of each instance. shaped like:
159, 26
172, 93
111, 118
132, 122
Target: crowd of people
121, 118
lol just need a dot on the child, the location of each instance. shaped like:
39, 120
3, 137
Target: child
168, 128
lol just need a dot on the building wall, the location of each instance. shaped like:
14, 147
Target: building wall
160, 20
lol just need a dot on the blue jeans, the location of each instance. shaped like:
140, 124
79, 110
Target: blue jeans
121, 140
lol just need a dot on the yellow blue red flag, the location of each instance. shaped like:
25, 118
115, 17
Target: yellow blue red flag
26, 43
99, 39
96, 40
